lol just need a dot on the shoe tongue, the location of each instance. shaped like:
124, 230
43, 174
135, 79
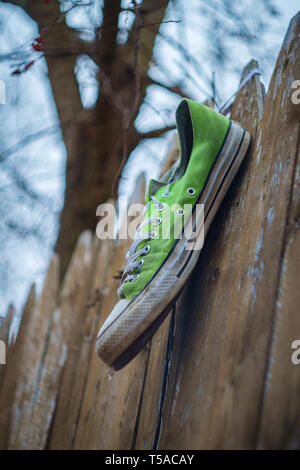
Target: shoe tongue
185, 138
154, 186
185, 135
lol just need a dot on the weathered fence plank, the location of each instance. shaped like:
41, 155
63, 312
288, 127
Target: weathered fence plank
4, 335
37, 425
151, 400
213, 288
73, 306
6, 323
30, 363
281, 429
111, 401
77, 367
223, 343
148, 421
11, 373
27, 401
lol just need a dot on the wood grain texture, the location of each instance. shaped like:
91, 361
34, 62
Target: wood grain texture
82, 347
77, 321
152, 401
224, 340
34, 427
12, 371
280, 414
30, 354
111, 401
207, 358
5, 327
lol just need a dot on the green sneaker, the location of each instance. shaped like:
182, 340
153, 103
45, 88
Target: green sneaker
167, 244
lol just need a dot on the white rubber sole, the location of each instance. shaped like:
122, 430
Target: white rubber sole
132, 323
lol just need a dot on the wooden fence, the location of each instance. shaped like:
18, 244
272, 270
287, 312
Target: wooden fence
218, 373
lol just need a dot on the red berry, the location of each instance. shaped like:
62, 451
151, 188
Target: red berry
27, 66
37, 46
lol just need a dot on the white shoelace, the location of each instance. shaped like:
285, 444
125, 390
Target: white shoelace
132, 254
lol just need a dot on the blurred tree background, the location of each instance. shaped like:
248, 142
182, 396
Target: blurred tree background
93, 84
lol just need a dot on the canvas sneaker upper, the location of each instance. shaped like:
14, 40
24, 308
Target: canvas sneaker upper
169, 201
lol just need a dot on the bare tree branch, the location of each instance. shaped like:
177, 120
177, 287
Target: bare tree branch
6, 153
156, 132
172, 88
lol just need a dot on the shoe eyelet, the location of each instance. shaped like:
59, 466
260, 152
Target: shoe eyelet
141, 262
161, 207
153, 235
146, 249
191, 191
180, 212
166, 194
157, 221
